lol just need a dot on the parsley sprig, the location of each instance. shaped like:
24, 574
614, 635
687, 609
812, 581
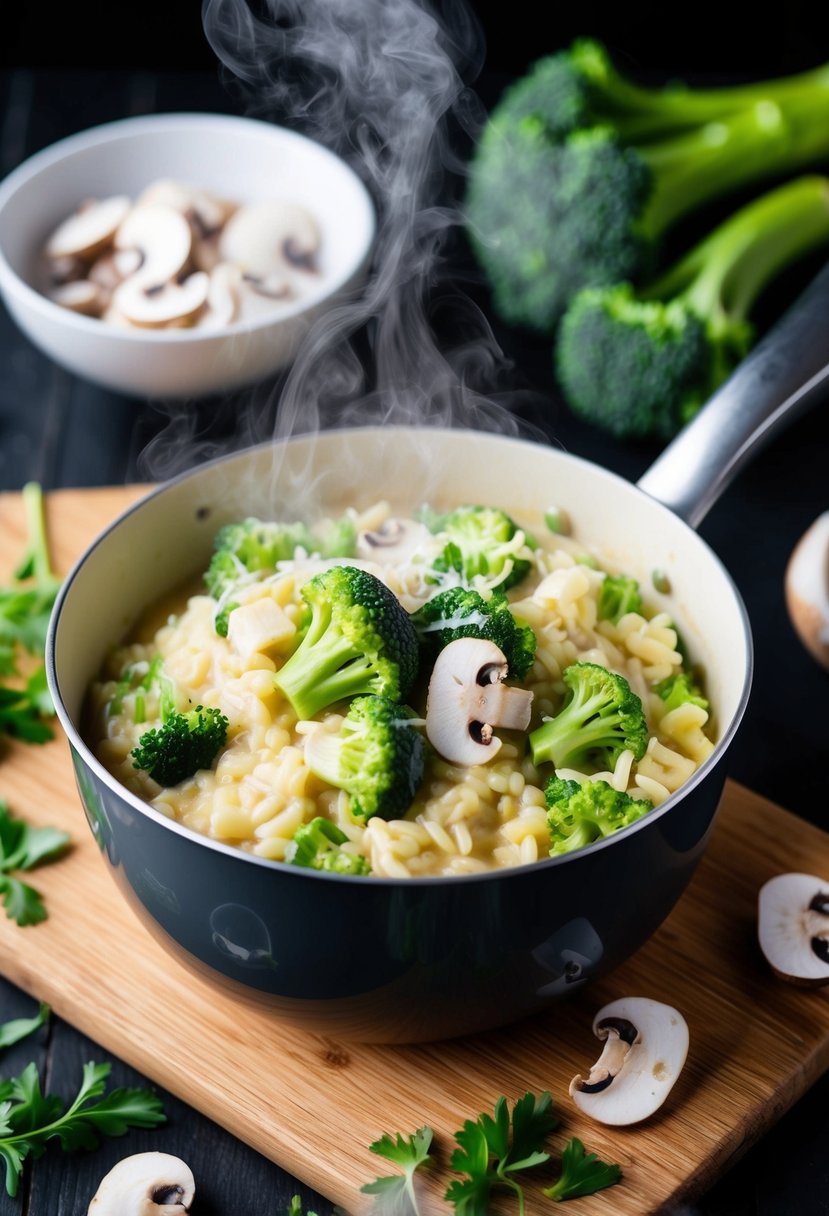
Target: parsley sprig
20, 1028
397, 1195
493, 1151
582, 1173
22, 847
29, 1118
25, 608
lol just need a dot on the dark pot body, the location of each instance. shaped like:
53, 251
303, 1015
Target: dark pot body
375, 959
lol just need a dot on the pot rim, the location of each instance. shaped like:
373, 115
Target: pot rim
87, 757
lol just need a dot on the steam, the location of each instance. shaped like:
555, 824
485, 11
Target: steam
385, 85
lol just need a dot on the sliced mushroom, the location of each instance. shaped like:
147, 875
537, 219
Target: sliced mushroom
468, 699
645, 1047
166, 304
112, 268
89, 229
204, 211
146, 1184
807, 588
394, 541
162, 237
80, 296
223, 297
270, 238
793, 928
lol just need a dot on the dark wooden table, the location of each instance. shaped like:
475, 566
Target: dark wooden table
63, 431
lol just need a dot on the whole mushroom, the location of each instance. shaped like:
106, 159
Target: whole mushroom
793, 928
645, 1047
806, 586
468, 699
145, 1184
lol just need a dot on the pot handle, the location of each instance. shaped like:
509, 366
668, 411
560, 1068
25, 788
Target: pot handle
786, 372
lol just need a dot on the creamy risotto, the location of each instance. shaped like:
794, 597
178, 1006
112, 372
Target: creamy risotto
259, 791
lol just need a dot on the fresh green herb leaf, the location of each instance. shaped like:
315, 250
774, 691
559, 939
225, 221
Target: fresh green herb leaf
22, 847
582, 1173
25, 608
20, 1028
495, 1147
28, 1118
397, 1191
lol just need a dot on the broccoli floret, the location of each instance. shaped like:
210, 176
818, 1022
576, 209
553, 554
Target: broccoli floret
316, 845
570, 187
254, 546
642, 363
359, 640
183, 744
481, 541
601, 718
139, 679
618, 594
461, 612
678, 689
580, 813
377, 757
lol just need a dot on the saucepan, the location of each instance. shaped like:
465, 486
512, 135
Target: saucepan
404, 960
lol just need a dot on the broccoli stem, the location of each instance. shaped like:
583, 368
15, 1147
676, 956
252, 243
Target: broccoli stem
727, 272
695, 167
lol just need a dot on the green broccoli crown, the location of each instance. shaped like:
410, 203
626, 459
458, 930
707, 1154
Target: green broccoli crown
377, 757
578, 174
680, 688
580, 813
481, 541
618, 595
460, 612
316, 845
547, 219
359, 640
601, 718
182, 745
639, 368
253, 546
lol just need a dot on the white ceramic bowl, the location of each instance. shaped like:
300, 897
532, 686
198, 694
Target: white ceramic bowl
239, 158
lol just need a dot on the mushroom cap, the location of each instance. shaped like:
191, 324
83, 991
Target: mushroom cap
168, 304
646, 1047
793, 927
223, 297
145, 1184
89, 228
467, 699
394, 540
163, 236
806, 585
270, 236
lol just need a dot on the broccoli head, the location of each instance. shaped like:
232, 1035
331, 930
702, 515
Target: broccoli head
359, 640
600, 718
557, 204
642, 363
581, 812
618, 594
481, 541
377, 757
461, 612
316, 845
182, 745
680, 688
253, 546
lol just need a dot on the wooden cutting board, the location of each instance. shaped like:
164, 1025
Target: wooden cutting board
314, 1104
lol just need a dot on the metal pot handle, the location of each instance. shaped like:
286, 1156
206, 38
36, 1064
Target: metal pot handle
785, 373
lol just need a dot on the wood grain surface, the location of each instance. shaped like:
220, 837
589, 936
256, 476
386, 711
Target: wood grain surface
314, 1104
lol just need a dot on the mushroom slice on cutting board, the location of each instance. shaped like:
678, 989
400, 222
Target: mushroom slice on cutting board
806, 585
146, 1184
467, 699
793, 928
645, 1046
